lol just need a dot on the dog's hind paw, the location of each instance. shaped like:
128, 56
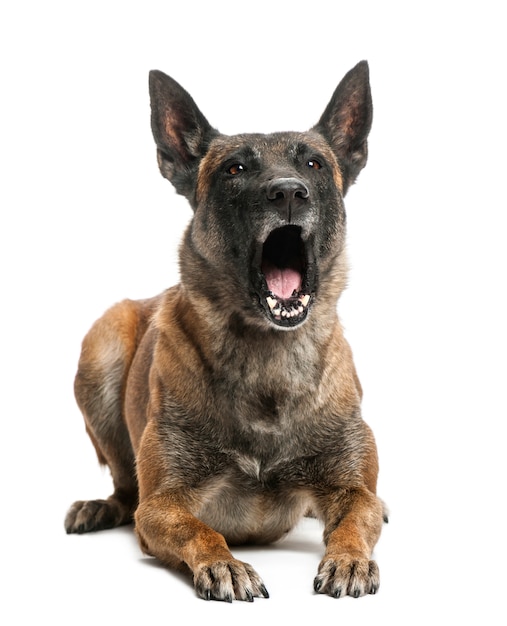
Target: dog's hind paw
345, 575
228, 581
89, 515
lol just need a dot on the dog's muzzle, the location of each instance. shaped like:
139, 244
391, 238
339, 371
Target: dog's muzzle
285, 276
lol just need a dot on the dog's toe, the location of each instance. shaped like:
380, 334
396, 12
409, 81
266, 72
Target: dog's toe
228, 580
346, 576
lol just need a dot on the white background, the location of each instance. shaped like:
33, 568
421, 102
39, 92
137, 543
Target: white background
87, 220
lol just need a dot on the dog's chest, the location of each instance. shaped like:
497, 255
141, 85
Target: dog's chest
250, 465
252, 504
266, 389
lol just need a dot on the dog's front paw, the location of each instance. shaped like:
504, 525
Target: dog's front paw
345, 575
229, 580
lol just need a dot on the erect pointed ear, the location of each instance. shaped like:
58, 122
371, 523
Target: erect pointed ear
180, 130
346, 122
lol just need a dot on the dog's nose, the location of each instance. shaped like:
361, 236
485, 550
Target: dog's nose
288, 195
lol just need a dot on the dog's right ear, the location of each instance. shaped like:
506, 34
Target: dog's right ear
346, 122
180, 130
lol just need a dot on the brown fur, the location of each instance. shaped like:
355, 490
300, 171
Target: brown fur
220, 427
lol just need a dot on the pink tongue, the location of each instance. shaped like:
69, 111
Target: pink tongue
282, 282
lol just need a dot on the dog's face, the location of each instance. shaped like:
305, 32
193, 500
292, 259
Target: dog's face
272, 206
268, 230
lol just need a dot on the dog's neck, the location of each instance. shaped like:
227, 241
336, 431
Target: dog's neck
237, 348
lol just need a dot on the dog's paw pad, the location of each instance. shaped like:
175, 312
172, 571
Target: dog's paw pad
344, 576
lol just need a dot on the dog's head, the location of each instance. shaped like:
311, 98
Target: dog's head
267, 238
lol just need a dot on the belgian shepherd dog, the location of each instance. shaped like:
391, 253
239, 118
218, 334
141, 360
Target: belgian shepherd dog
228, 407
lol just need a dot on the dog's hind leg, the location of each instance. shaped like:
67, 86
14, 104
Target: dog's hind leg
107, 353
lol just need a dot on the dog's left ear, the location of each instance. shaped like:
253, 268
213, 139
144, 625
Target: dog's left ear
346, 122
180, 130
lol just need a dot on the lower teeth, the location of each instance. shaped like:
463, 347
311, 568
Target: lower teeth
279, 310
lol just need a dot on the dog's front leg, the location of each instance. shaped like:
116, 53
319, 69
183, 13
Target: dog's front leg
169, 532
353, 520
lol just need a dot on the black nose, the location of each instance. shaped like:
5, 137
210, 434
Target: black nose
288, 195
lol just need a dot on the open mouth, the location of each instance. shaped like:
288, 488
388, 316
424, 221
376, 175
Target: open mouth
287, 271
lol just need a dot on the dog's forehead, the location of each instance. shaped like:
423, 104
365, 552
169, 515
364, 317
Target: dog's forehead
266, 147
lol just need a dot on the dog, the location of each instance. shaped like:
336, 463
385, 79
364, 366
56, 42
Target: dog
228, 407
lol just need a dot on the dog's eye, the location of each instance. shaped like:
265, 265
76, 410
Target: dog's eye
314, 164
235, 169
